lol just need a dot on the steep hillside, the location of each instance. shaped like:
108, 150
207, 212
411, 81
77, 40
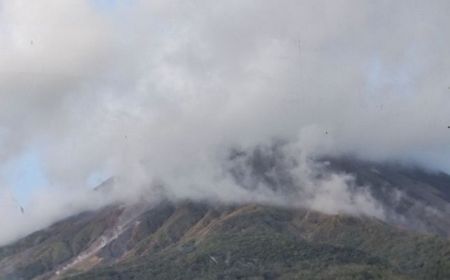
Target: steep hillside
200, 241
410, 196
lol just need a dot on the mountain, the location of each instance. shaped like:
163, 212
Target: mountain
411, 197
206, 240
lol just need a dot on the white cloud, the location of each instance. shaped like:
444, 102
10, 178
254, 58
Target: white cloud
162, 90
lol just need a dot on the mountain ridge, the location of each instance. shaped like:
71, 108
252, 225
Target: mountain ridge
211, 240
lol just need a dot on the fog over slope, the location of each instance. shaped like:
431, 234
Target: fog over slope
160, 94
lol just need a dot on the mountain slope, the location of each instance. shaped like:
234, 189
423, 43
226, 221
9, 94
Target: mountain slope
411, 197
196, 240
199, 240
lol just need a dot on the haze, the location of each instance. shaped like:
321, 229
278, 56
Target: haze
157, 93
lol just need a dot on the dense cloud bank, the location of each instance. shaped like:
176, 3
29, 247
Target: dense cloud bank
159, 93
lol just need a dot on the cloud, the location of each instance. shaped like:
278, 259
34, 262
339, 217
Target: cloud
162, 91
43, 210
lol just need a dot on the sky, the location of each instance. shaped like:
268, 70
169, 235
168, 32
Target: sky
26, 176
25, 173
157, 93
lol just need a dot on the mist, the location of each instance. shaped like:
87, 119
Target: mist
158, 94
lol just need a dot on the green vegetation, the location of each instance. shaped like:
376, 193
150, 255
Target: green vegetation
197, 241
44, 250
256, 242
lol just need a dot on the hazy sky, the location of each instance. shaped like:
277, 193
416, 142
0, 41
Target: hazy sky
160, 91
